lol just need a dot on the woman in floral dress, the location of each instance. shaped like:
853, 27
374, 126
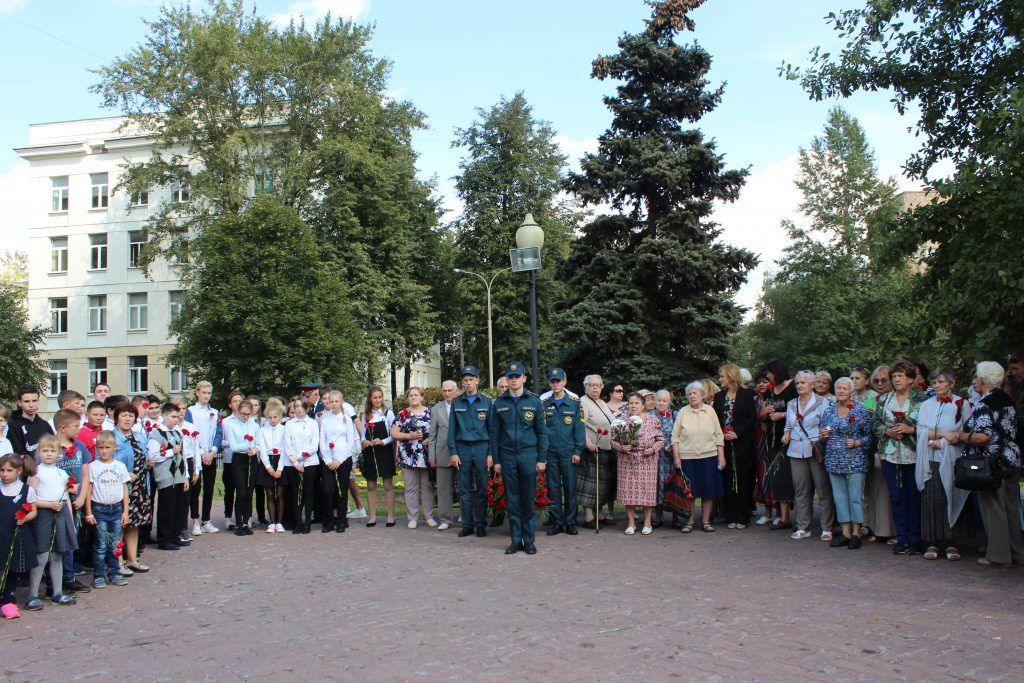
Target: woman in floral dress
410, 431
140, 511
638, 440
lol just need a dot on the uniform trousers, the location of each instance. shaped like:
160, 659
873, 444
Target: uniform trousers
520, 475
473, 483
243, 472
170, 504
562, 488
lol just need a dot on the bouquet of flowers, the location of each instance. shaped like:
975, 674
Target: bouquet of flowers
496, 499
627, 432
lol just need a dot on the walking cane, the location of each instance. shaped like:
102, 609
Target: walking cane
597, 490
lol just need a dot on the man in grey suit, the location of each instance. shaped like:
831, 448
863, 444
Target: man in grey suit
440, 456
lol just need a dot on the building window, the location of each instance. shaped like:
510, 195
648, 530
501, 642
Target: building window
136, 241
97, 372
176, 301
182, 191
59, 316
178, 379
58, 254
138, 375
140, 198
97, 313
264, 180
60, 193
58, 376
100, 190
98, 252
138, 311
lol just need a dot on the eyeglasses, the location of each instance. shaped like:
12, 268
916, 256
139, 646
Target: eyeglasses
618, 390
879, 380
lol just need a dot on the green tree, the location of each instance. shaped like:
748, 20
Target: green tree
831, 303
20, 355
512, 166
248, 319
655, 283
960, 65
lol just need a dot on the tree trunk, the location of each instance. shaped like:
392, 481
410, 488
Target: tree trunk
394, 382
407, 376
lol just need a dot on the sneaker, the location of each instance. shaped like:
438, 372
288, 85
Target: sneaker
280, 528
800, 535
646, 531
209, 528
431, 522
34, 605
197, 529
271, 528
98, 583
64, 600
358, 513
901, 549
77, 586
762, 520
231, 525
118, 580
125, 570
413, 524
443, 526
630, 531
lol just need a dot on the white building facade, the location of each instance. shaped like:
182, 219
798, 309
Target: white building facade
107, 321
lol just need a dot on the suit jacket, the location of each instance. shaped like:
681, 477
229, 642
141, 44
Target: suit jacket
744, 414
438, 447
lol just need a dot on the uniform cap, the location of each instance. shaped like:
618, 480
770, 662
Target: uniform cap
556, 373
515, 368
469, 370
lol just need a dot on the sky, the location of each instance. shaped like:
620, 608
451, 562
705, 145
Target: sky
451, 57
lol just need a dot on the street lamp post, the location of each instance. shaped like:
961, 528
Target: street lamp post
490, 336
529, 240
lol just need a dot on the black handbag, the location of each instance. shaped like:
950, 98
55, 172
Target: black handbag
975, 471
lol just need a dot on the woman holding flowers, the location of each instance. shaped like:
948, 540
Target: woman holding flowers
638, 440
698, 447
846, 430
939, 423
806, 462
736, 408
410, 431
131, 453
895, 426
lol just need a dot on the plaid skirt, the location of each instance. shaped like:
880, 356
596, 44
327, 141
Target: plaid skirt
587, 478
934, 515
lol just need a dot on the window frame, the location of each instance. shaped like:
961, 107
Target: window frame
59, 315
135, 255
97, 375
138, 375
60, 194
59, 253
99, 192
58, 378
138, 312
99, 252
101, 312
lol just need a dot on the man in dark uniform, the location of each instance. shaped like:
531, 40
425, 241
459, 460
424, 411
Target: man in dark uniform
469, 444
566, 440
519, 445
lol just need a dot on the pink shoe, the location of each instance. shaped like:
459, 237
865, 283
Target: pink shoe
10, 611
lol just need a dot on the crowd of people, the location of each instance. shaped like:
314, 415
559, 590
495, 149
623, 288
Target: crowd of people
93, 487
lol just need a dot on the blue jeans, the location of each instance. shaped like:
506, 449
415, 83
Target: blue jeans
473, 468
905, 499
848, 497
108, 533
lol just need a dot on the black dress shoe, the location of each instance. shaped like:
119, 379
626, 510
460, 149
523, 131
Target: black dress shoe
340, 528
297, 529
555, 530
169, 546
465, 531
326, 528
307, 527
389, 524
481, 532
371, 524
530, 549
571, 530
239, 531
512, 549
498, 520
550, 521
248, 531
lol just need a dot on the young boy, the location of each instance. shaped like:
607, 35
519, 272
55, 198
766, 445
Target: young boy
72, 456
106, 508
5, 445
95, 415
69, 399
25, 425
170, 476
205, 420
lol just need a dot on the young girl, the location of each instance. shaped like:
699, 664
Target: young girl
269, 476
301, 441
378, 454
242, 433
339, 444
17, 544
53, 528
257, 417
410, 430
235, 399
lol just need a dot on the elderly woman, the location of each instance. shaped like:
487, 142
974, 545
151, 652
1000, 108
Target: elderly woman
638, 440
666, 416
596, 478
877, 509
992, 431
823, 385
763, 494
736, 409
803, 416
779, 392
895, 426
939, 424
649, 401
698, 447
846, 431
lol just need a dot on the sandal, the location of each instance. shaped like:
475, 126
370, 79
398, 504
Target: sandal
952, 554
687, 528
932, 553
707, 528
730, 525
741, 526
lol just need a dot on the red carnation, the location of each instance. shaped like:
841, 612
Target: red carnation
945, 399
799, 416
120, 544
248, 437
27, 507
727, 429
852, 418
72, 482
69, 451
213, 414
305, 454
849, 406
145, 404
117, 553
959, 402
275, 451
20, 515
331, 445
770, 386
899, 415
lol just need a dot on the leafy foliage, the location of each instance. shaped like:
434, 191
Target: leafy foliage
19, 343
654, 283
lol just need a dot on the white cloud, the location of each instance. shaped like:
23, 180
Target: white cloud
574, 149
12, 6
15, 205
313, 10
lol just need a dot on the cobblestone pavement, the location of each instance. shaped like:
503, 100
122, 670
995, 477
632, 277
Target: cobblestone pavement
390, 604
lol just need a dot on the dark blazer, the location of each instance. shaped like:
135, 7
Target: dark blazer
744, 414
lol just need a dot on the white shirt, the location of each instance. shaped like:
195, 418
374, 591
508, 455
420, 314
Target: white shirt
13, 488
108, 480
5, 446
548, 394
52, 483
272, 439
388, 417
341, 431
203, 418
301, 435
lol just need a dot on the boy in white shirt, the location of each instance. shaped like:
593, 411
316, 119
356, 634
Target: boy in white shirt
106, 508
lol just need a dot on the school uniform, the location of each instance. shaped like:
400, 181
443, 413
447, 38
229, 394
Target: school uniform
242, 436
169, 475
301, 443
339, 442
205, 420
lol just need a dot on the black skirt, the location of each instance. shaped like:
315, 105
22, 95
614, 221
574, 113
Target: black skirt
379, 462
263, 477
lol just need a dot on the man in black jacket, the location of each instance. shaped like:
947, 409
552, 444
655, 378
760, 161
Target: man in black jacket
25, 425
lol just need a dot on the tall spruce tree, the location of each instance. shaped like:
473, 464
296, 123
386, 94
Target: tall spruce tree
655, 284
